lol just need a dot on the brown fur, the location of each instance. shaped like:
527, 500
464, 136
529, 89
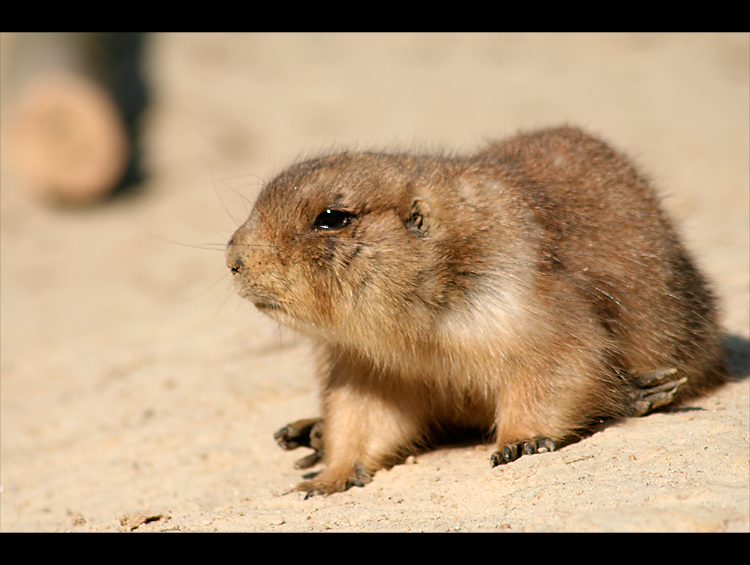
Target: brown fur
520, 292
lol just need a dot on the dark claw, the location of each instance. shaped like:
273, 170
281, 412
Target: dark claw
361, 477
510, 452
313, 492
545, 445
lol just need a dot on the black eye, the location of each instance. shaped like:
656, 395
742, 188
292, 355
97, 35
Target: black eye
332, 219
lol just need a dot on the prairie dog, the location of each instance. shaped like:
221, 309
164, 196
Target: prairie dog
523, 292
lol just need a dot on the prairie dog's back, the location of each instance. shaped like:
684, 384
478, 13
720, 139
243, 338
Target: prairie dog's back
606, 234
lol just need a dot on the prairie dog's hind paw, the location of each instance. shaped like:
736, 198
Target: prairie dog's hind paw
655, 389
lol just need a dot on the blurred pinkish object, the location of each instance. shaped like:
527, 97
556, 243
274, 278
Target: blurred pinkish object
68, 139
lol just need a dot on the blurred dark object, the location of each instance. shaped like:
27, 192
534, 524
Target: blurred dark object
75, 128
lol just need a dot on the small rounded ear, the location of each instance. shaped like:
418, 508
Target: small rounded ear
419, 217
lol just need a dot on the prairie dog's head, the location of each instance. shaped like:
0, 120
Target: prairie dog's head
356, 246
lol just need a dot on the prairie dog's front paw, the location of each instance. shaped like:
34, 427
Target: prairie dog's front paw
303, 433
332, 480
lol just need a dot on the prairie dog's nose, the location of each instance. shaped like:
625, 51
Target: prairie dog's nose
233, 255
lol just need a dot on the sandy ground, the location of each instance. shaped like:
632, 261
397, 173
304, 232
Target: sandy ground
139, 392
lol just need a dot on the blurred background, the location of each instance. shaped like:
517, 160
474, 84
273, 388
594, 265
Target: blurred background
127, 160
